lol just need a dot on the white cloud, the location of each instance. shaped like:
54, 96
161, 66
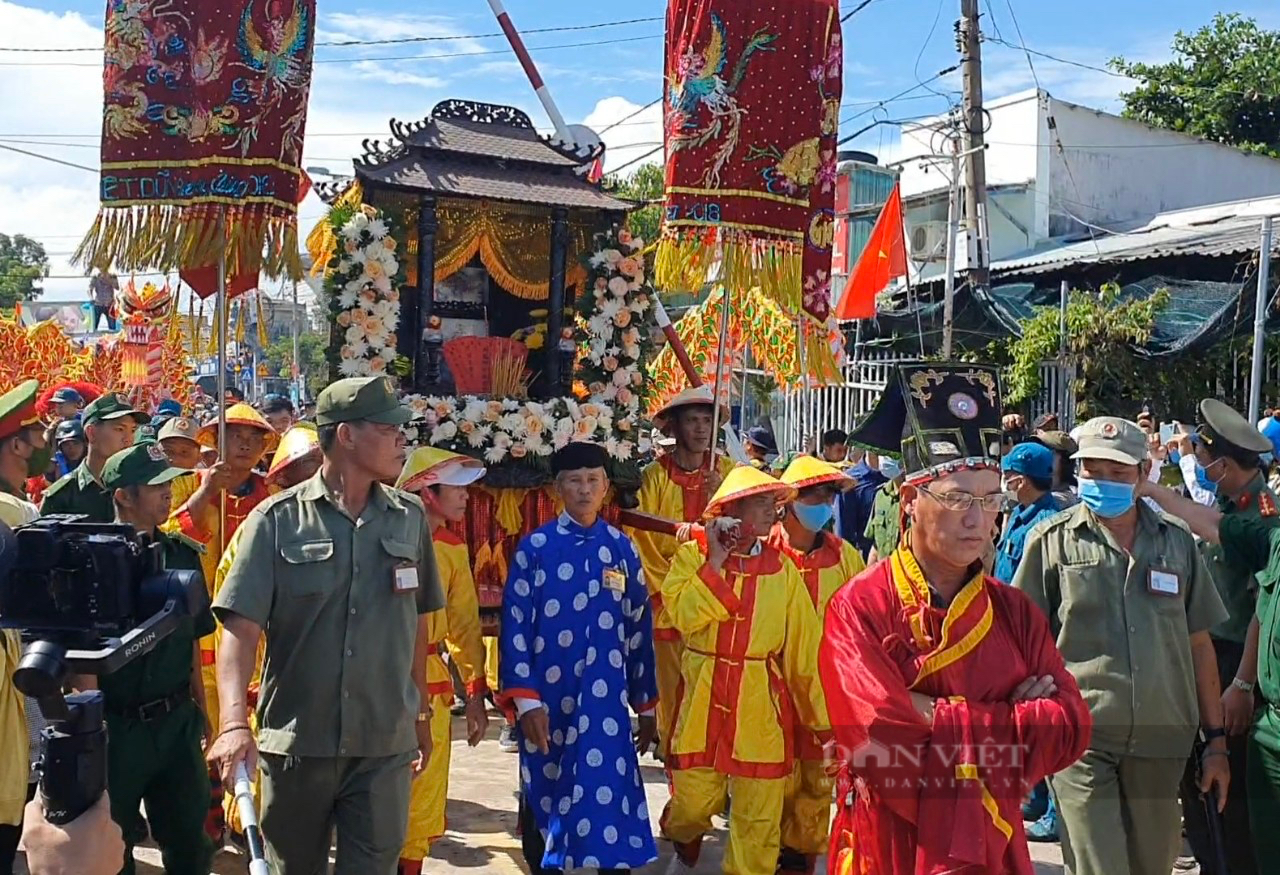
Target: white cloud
628, 132
379, 72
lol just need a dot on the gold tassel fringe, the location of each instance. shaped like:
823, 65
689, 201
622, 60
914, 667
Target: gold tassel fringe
163, 237
776, 267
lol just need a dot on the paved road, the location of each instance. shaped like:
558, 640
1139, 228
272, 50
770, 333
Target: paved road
482, 818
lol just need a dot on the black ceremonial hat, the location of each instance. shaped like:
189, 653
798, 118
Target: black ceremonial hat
939, 416
578, 455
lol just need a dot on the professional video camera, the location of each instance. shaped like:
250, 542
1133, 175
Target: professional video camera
88, 598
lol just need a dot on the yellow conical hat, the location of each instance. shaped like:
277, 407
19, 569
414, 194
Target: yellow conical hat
744, 482
805, 471
427, 466
297, 444
239, 414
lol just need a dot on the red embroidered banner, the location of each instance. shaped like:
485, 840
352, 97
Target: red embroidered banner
204, 111
752, 112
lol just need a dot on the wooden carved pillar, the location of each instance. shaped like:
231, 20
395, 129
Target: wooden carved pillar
559, 372
427, 339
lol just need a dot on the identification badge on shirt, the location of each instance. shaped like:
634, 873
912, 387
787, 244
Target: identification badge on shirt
1163, 583
406, 578
615, 580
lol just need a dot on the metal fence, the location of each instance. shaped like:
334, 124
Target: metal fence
803, 415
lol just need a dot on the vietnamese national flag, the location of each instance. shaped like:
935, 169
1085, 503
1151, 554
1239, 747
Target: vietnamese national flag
883, 259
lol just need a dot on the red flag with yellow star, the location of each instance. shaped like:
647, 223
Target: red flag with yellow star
883, 259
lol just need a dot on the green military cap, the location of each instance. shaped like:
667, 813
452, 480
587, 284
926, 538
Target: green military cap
1220, 423
18, 408
367, 399
1058, 441
1113, 439
142, 464
109, 406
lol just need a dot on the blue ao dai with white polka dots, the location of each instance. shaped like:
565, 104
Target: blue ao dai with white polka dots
577, 634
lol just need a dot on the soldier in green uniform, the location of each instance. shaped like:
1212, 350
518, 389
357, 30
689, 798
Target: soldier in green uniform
884, 527
1250, 542
339, 571
109, 423
1131, 602
154, 705
1228, 448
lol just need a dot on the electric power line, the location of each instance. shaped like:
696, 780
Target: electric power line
446, 55
388, 42
648, 154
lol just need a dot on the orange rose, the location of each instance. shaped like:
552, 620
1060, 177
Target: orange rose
518, 451
377, 363
624, 237
610, 363
624, 395
466, 426
344, 319
585, 427
623, 319
389, 243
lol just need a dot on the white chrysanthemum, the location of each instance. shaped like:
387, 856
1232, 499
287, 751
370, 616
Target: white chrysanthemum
611, 256
544, 450
638, 306
610, 392
637, 244
364, 369
475, 409
501, 439
510, 404
512, 423
560, 441
479, 437
349, 367
644, 445
359, 349
598, 326
609, 309
445, 431
344, 265
533, 408
383, 284
611, 446
355, 226
533, 442
378, 229
355, 334
563, 428
347, 299
495, 454
598, 260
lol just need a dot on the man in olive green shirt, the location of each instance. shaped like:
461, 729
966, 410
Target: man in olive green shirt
340, 572
1131, 603
155, 704
109, 424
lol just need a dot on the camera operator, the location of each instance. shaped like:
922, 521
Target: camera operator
154, 704
109, 424
88, 845
22, 446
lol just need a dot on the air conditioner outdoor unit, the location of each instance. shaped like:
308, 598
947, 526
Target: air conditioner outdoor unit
929, 242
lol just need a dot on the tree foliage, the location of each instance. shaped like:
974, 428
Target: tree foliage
643, 184
1102, 334
23, 263
1222, 84
311, 355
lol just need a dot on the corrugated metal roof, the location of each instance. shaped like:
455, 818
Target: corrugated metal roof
1217, 230
444, 174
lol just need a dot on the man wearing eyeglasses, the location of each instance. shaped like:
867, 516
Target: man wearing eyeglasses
1131, 603
946, 694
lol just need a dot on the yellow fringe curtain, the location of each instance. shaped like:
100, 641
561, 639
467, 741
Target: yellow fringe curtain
754, 319
512, 240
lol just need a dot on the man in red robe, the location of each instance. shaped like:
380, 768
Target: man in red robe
946, 691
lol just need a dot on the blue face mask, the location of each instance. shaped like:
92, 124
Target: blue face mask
1204, 481
1106, 498
890, 468
813, 517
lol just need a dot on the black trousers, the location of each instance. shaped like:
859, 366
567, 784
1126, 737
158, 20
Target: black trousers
1235, 819
534, 847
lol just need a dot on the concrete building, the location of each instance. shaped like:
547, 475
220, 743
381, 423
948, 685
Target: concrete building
1054, 169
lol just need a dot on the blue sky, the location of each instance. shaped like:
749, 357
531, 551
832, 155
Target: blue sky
889, 48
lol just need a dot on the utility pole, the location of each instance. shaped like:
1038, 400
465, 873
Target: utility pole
973, 124
1260, 320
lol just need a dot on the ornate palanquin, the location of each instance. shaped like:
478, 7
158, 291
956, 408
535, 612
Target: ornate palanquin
499, 221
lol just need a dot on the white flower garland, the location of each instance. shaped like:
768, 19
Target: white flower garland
366, 301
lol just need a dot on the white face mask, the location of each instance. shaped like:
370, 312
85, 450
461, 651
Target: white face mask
1010, 492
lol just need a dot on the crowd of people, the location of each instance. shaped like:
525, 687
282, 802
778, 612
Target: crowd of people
934, 628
